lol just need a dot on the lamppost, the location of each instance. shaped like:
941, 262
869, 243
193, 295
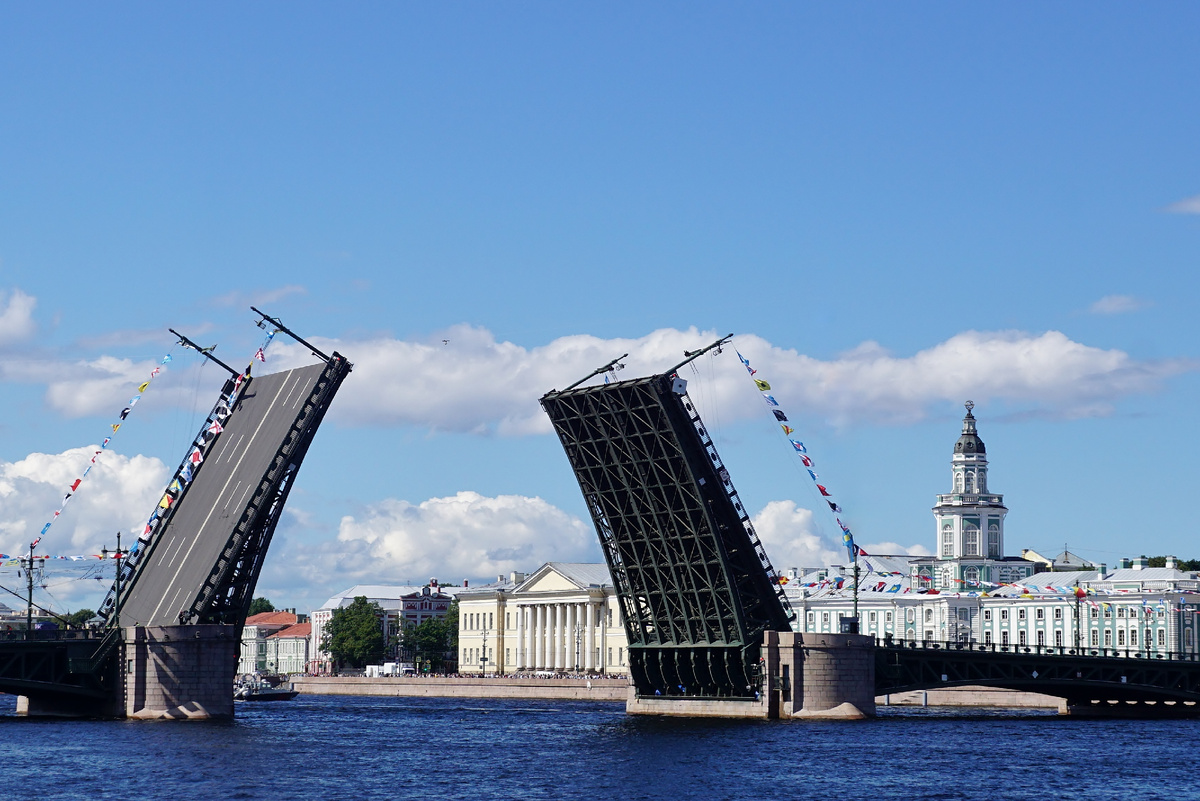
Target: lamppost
483, 654
578, 644
118, 555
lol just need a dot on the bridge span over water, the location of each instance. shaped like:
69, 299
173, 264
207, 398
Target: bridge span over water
176, 612
709, 629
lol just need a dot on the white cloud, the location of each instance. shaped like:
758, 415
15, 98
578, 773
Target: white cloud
259, 297
473, 383
16, 317
466, 534
787, 533
117, 495
1189, 205
1118, 304
895, 549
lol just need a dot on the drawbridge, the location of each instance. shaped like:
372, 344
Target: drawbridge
694, 584
200, 554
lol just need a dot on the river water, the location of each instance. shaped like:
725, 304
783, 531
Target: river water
337, 747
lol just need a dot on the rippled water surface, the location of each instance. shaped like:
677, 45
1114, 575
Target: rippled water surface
324, 747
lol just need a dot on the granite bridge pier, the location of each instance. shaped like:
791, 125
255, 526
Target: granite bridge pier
709, 628
175, 613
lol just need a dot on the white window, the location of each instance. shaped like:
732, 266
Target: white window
1133, 637
987, 614
1021, 615
873, 617
1004, 614
888, 617
1021, 636
987, 638
1058, 638
994, 540
1004, 638
1120, 637
1041, 637
947, 540
1041, 613
1162, 637
1108, 639
1058, 613
970, 540
1095, 638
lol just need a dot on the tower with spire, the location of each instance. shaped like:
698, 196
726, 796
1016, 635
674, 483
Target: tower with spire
969, 545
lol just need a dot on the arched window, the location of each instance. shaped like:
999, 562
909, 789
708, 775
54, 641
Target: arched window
981, 481
994, 540
971, 574
928, 615
910, 616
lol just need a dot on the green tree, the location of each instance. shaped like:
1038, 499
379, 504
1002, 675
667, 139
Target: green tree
433, 639
259, 605
354, 634
79, 619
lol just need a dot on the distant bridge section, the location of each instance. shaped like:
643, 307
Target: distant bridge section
695, 586
1091, 682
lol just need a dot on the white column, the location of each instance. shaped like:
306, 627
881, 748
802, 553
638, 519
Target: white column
572, 619
555, 636
589, 661
539, 630
520, 663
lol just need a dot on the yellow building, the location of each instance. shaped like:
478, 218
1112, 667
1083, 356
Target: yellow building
562, 618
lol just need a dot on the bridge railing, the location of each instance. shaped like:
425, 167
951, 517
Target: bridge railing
51, 635
1046, 650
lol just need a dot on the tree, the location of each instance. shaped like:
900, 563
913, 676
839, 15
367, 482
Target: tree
79, 619
259, 605
432, 640
354, 634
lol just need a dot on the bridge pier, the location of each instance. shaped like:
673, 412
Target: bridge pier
813, 676
179, 672
821, 676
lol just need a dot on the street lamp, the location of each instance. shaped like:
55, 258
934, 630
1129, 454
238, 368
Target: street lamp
483, 654
578, 644
118, 555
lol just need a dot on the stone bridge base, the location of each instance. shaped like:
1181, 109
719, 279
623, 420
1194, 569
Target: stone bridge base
814, 676
179, 672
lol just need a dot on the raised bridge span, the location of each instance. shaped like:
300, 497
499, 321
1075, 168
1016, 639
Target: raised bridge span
709, 629
175, 616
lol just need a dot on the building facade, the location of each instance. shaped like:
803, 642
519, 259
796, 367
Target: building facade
252, 657
402, 606
562, 618
287, 649
969, 591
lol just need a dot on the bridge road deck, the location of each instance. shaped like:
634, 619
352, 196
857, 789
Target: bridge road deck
204, 520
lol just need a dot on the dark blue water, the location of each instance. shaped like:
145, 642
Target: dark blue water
321, 747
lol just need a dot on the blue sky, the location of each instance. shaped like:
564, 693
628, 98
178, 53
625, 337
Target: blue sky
894, 208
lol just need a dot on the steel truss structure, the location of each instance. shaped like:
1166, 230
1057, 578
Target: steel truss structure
1082, 679
695, 586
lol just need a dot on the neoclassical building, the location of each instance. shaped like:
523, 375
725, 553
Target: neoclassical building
970, 591
561, 618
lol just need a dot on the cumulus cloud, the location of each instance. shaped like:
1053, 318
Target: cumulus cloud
466, 534
1118, 304
464, 380
16, 316
117, 495
790, 539
1189, 205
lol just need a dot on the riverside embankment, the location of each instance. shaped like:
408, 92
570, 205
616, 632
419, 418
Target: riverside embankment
574, 689
595, 689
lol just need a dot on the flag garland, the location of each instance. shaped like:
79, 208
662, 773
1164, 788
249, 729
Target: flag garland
122, 415
799, 448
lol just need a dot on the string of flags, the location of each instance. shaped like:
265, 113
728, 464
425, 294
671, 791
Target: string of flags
188, 470
801, 451
121, 417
